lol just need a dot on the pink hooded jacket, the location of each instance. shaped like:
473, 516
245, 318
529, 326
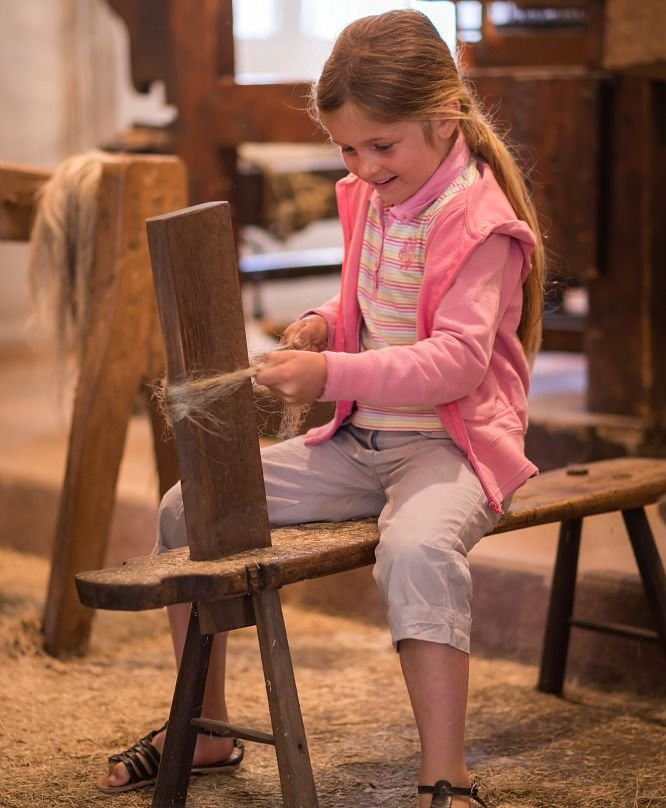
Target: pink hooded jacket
468, 362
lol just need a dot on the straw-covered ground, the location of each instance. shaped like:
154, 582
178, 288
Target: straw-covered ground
60, 719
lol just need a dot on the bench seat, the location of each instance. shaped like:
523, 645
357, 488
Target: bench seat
317, 549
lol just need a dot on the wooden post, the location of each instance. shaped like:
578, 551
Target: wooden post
122, 353
201, 51
626, 327
198, 293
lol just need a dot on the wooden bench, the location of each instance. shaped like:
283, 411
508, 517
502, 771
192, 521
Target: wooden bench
234, 566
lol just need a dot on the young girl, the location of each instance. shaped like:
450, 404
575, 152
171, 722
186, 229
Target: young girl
426, 351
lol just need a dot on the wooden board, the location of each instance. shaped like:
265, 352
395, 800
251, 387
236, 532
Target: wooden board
317, 549
198, 293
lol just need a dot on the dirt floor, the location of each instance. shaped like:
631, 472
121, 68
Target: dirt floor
60, 719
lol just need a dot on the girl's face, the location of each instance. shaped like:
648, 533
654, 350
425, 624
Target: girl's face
396, 159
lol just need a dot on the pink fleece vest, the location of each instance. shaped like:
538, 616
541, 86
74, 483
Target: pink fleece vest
488, 424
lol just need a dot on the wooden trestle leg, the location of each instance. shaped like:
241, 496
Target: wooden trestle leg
560, 608
650, 567
174, 773
298, 787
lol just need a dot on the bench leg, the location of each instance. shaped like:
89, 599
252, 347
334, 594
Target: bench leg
298, 788
173, 777
650, 567
560, 608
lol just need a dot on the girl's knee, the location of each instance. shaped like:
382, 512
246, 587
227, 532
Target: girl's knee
409, 551
412, 572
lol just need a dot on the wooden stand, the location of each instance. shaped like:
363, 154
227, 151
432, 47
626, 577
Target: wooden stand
122, 358
200, 308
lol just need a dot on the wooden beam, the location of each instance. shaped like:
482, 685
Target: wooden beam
200, 51
19, 185
626, 331
261, 113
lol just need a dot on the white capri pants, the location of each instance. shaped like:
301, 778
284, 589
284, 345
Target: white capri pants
430, 506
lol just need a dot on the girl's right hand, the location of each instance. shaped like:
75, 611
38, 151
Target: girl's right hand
307, 334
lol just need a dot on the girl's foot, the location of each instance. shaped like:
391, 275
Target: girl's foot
137, 767
442, 793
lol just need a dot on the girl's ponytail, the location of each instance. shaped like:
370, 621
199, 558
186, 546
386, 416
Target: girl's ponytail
484, 141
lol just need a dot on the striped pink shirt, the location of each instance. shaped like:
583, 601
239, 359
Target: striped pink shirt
391, 271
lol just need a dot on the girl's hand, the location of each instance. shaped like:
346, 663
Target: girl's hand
296, 377
308, 334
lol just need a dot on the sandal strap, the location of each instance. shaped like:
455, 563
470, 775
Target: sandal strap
443, 788
141, 760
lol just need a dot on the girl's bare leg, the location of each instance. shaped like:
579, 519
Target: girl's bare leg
208, 749
437, 677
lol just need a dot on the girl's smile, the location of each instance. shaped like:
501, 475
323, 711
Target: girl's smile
396, 159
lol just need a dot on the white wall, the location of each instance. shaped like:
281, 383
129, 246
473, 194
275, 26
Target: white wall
64, 89
32, 109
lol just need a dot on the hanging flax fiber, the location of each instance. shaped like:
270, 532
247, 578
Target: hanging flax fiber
62, 249
194, 397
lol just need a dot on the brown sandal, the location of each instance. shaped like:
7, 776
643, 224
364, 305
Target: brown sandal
444, 790
142, 762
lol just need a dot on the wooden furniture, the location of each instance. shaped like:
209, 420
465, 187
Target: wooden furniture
191, 49
560, 617
122, 359
234, 566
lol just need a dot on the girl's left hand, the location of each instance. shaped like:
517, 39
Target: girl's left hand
296, 377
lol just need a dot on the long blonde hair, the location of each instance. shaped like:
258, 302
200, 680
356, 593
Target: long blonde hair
395, 67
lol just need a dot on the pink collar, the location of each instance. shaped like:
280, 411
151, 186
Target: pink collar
451, 167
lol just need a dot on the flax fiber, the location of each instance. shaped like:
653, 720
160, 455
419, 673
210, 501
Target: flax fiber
193, 399
62, 246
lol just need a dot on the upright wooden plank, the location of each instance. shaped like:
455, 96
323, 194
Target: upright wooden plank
198, 292
119, 357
